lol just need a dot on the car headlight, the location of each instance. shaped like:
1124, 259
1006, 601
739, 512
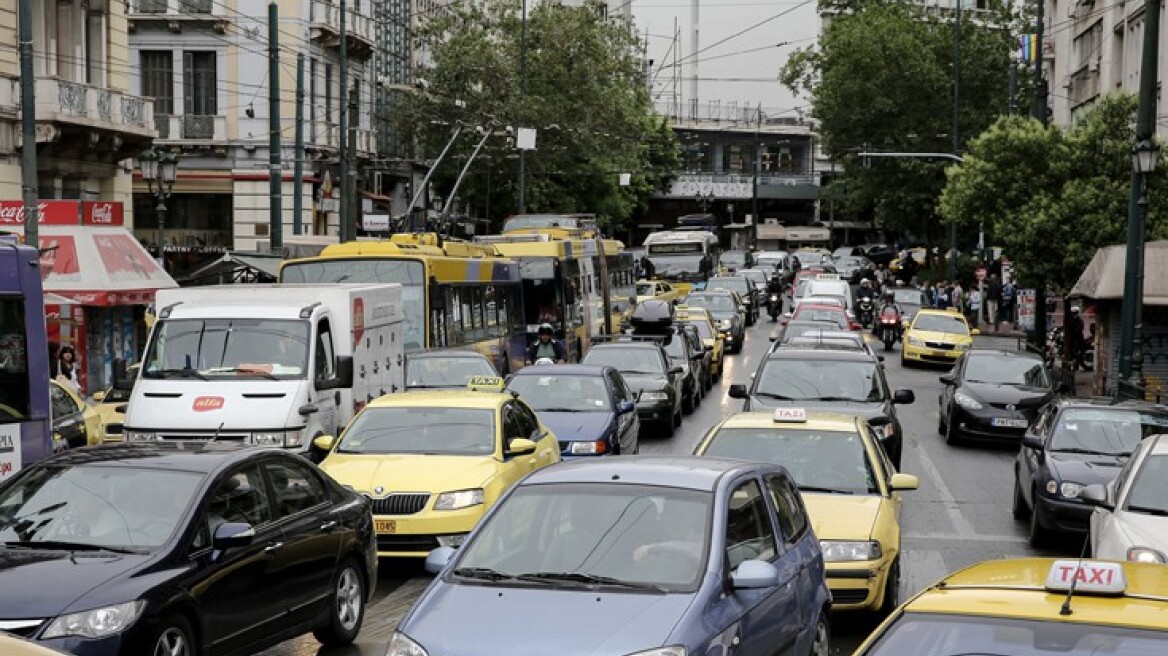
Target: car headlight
1145, 555
916, 341
672, 650
654, 396
835, 551
402, 645
966, 401
96, 623
1067, 489
724, 324
140, 436
963, 347
459, 499
278, 438
593, 448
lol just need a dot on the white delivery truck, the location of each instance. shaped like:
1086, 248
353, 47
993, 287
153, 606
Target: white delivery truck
265, 364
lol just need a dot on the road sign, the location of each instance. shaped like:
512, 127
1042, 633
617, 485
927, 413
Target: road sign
1026, 309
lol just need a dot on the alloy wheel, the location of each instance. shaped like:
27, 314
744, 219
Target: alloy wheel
350, 598
172, 642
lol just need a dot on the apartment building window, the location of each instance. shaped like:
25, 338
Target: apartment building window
200, 83
158, 79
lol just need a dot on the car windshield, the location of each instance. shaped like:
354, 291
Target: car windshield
848, 261
557, 393
757, 277
837, 301
421, 430
703, 326
232, 348
627, 360
622, 533
645, 289
96, 505
677, 265
908, 297
734, 284
948, 634
676, 348
1149, 492
797, 379
439, 372
797, 328
540, 221
713, 302
733, 258
941, 323
827, 315
1021, 372
1108, 430
835, 460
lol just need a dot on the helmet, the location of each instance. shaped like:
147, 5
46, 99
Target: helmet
888, 295
546, 328
1074, 310
543, 361
865, 281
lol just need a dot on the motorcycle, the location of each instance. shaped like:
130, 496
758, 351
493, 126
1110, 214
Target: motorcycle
774, 304
866, 311
889, 330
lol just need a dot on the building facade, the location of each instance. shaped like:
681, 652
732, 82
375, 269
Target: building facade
205, 63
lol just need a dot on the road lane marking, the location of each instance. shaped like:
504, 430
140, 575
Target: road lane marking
960, 523
920, 568
961, 537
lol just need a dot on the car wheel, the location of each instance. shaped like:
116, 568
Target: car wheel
891, 589
942, 428
174, 637
346, 607
1037, 534
688, 403
952, 438
1019, 508
821, 636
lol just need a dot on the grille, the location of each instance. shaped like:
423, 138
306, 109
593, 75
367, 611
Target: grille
421, 543
850, 596
399, 504
113, 429
22, 628
223, 437
945, 346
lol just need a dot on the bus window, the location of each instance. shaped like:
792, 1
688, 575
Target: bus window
14, 388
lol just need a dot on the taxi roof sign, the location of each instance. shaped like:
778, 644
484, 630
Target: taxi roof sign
828, 276
485, 384
1087, 577
784, 415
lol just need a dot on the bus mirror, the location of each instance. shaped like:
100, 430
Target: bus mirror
343, 378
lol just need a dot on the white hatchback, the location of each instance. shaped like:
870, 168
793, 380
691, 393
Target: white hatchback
1130, 520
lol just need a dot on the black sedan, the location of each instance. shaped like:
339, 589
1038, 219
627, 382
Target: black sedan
727, 313
1072, 444
132, 549
992, 395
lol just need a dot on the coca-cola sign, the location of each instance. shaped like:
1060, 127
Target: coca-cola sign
64, 212
101, 212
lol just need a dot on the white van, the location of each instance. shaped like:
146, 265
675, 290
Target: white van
265, 364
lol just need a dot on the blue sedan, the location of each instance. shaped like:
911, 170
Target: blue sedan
590, 408
641, 555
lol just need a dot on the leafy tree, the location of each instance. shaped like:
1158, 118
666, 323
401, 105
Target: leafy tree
1053, 196
881, 77
585, 94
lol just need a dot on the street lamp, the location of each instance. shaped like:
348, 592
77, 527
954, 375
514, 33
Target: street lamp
159, 170
1144, 156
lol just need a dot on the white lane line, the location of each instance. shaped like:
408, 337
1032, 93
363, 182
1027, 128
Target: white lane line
961, 537
920, 568
960, 523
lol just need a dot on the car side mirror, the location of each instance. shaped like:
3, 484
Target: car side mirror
231, 535
738, 391
325, 443
1065, 388
1032, 441
904, 482
676, 370
625, 407
99, 396
342, 376
903, 397
521, 446
121, 408
753, 575
438, 559
947, 379
975, 331
1096, 495
122, 380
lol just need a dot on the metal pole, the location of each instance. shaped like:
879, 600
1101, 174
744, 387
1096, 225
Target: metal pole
433, 167
343, 136
1038, 111
757, 171
462, 174
298, 164
160, 212
349, 183
1131, 366
28, 148
522, 105
951, 256
275, 170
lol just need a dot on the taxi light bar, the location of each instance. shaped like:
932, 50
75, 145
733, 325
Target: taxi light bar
1088, 577
484, 384
789, 415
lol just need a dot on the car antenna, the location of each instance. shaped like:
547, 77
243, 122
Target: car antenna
216, 435
1066, 608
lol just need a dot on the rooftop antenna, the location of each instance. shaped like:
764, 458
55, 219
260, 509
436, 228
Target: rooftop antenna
1066, 607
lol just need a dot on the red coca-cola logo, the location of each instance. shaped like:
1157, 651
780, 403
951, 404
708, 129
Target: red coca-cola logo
207, 403
101, 212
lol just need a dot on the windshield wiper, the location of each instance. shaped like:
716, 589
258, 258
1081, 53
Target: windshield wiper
183, 373
1088, 452
71, 546
770, 395
238, 370
485, 573
581, 577
641, 373
828, 490
839, 398
561, 410
1159, 512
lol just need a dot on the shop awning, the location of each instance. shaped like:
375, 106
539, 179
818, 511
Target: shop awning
1103, 277
104, 266
238, 267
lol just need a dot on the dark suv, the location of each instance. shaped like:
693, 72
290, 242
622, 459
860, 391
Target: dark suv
648, 372
850, 382
746, 291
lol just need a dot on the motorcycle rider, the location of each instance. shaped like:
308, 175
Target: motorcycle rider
546, 346
889, 301
866, 293
774, 289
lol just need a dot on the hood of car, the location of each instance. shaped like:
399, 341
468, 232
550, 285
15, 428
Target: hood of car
1144, 530
539, 621
842, 516
865, 409
1084, 469
49, 581
409, 472
645, 382
937, 336
576, 426
1023, 397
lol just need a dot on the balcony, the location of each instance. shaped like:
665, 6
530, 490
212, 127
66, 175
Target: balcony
68, 105
191, 128
324, 20
323, 136
175, 13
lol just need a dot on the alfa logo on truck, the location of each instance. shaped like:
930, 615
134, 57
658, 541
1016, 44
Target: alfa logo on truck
207, 403
358, 320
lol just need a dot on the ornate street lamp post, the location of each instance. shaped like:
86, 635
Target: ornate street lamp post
159, 170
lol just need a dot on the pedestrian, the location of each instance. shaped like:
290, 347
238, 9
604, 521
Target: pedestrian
941, 296
1074, 337
54, 360
957, 297
1007, 307
927, 290
975, 305
67, 368
992, 300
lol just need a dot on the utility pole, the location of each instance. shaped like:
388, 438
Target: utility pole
343, 137
1131, 352
951, 256
523, 106
298, 164
757, 172
1038, 111
28, 148
275, 171
694, 18
349, 183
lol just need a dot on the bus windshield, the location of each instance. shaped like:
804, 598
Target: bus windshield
14, 387
228, 348
410, 273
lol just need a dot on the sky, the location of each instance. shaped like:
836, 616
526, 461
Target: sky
729, 74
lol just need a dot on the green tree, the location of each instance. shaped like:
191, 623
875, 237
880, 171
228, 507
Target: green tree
1053, 196
585, 94
881, 77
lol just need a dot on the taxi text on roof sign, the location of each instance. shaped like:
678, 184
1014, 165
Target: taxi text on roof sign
789, 414
484, 384
1088, 577
828, 276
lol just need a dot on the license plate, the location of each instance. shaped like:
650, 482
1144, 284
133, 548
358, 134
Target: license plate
941, 354
385, 526
1001, 422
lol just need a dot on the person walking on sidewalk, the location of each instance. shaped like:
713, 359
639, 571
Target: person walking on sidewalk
1007, 306
993, 299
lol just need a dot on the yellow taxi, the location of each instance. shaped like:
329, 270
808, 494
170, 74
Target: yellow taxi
850, 488
711, 336
936, 336
433, 462
111, 407
1033, 606
75, 422
660, 290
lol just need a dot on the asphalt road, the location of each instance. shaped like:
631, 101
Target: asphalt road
959, 516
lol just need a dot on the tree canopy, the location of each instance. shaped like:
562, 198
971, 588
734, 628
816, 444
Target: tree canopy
585, 94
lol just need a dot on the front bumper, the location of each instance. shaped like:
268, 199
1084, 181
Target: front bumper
933, 355
979, 424
1062, 515
858, 585
657, 411
415, 536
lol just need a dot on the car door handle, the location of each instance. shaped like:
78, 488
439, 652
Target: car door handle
273, 547
327, 526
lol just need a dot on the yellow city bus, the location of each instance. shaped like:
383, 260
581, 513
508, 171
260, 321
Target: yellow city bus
455, 294
622, 277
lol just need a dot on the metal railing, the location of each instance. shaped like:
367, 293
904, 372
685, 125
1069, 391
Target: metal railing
1127, 390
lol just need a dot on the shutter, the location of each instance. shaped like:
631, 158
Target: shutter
188, 83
